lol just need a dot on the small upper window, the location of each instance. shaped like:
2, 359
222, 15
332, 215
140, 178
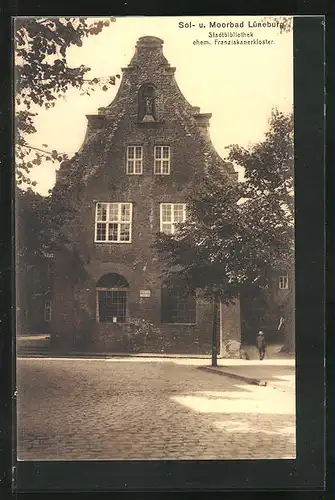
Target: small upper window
171, 214
113, 222
134, 160
283, 282
162, 160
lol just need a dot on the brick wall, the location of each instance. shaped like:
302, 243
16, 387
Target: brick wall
98, 174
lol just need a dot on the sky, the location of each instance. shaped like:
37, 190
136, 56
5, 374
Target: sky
238, 84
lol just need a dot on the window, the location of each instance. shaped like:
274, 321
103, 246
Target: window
178, 306
113, 222
162, 160
170, 215
112, 298
47, 311
134, 160
112, 306
283, 282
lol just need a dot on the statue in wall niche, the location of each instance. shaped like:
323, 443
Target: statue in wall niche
149, 109
147, 104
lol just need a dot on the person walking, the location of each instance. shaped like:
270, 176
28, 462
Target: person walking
261, 344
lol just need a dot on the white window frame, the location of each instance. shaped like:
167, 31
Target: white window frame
161, 159
172, 222
117, 221
132, 161
283, 282
47, 311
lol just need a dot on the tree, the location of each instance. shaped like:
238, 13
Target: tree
39, 220
270, 181
43, 75
269, 167
237, 234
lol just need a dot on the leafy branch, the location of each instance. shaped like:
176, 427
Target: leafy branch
43, 75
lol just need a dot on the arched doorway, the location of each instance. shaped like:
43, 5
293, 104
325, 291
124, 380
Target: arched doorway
112, 290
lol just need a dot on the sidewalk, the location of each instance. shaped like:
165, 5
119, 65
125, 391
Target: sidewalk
275, 370
276, 373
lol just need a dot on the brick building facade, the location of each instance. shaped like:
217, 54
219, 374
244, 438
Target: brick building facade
140, 157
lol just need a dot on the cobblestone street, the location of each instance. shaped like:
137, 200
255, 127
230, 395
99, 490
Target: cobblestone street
114, 409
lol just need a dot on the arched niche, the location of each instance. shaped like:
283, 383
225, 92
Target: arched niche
112, 280
147, 111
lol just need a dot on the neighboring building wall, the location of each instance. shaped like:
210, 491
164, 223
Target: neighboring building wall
263, 310
98, 174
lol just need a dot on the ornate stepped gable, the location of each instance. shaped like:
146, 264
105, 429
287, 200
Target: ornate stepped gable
148, 92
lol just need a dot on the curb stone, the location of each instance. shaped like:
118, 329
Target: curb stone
248, 380
91, 355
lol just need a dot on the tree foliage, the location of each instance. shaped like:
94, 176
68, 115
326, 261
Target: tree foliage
236, 234
43, 75
268, 166
39, 236
285, 22
39, 221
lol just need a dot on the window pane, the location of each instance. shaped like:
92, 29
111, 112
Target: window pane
101, 211
138, 151
165, 167
158, 167
125, 212
167, 228
131, 152
178, 213
125, 232
130, 167
101, 231
138, 166
112, 232
158, 152
114, 212
166, 152
166, 213
178, 307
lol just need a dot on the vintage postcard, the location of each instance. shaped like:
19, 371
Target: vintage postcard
155, 238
